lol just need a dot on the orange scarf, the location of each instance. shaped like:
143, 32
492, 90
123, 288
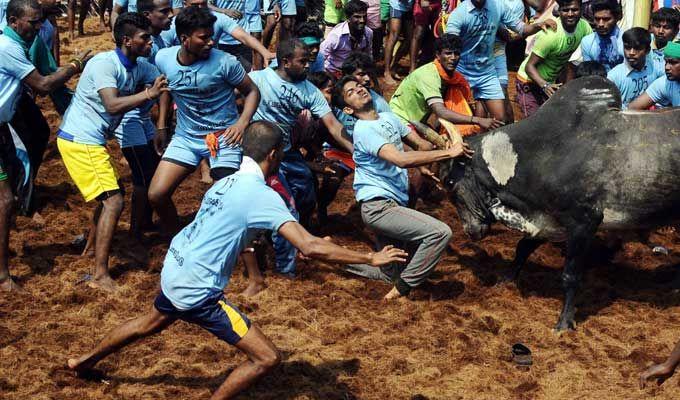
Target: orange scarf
457, 98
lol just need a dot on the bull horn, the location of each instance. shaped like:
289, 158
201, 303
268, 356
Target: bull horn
429, 134
454, 135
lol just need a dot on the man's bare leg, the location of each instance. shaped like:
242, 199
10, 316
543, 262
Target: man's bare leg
258, 61
418, 34
268, 30
165, 181
102, 10
88, 251
84, 10
496, 109
394, 27
71, 13
255, 278
131, 331
139, 212
287, 27
509, 112
262, 358
205, 172
664, 370
106, 226
6, 210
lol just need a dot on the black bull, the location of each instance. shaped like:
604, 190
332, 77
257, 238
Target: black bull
578, 165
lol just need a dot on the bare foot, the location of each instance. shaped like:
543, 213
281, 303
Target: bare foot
8, 285
393, 294
104, 283
254, 288
657, 371
84, 369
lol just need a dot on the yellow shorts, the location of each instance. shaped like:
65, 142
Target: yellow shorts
90, 167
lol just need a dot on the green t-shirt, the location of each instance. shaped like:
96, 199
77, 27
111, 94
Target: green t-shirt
409, 102
334, 15
555, 48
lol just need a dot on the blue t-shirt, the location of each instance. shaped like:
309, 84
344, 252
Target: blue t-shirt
3, 13
85, 119
373, 176
380, 105
516, 11
240, 6
223, 27
14, 67
203, 91
129, 5
201, 257
631, 82
402, 5
253, 6
591, 48
281, 101
665, 92
136, 127
477, 28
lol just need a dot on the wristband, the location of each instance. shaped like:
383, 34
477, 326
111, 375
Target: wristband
545, 85
77, 63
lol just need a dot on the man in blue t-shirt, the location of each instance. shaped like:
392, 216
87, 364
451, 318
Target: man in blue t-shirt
664, 91
202, 82
381, 187
605, 44
202, 256
113, 83
638, 71
16, 71
121, 6
136, 130
477, 23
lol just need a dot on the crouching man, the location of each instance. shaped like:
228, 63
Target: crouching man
381, 187
201, 257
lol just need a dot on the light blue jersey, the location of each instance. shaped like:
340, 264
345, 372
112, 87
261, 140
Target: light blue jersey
14, 67
477, 28
402, 5
253, 6
373, 176
281, 101
631, 82
129, 5
607, 51
665, 92
240, 6
136, 127
3, 13
380, 105
201, 257
86, 120
224, 26
203, 91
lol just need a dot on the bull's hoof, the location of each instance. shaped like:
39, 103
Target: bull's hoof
565, 325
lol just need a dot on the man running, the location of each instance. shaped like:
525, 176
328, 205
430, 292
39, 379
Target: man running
202, 81
201, 258
381, 187
23, 19
113, 83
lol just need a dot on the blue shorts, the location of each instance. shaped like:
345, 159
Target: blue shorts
501, 64
485, 87
188, 151
253, 23
398, 14
288, 8
215, 314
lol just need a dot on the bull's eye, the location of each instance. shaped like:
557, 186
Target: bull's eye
450, 182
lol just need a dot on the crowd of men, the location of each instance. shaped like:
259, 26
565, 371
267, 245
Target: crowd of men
195, 82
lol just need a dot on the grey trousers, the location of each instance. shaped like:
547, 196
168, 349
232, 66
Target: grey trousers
424, 237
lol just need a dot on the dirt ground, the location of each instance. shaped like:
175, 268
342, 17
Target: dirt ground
450, 340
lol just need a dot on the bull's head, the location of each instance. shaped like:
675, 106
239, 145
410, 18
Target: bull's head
459, 181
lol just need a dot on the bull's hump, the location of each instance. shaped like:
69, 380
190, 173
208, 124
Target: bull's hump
500, 156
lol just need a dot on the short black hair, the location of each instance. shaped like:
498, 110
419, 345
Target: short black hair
321, 79
145, 6
260, 138
338, 97
357, 60
354, 6
127, 24
448, 41
17, 8
308, 29
670, 15
603, 5
637, 38
193, 18
562, 3
287, 48
590, 68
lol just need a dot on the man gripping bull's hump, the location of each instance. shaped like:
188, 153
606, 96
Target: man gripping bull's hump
381, 187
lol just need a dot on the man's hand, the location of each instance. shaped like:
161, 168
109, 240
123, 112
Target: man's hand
84, 56
551, 89
461, 149
387, 255
234, 134
160, 85
424, 171
277, 13
548, 24
235, 14
487, 123
656, 371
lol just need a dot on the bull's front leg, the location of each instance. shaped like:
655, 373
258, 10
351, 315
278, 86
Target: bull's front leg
581, 233
525, 248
